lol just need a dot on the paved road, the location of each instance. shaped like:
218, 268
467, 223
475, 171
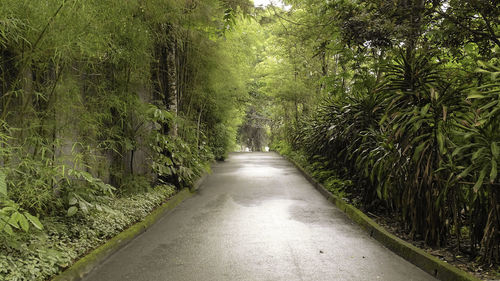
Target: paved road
255, 218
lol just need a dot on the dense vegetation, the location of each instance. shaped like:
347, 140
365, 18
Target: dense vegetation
403, 99
107, 107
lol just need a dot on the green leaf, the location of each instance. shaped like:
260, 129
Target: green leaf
73, 201
489, 105
14, 220
72, 211
383, 119
425, 109
461, 148
88, 177
476, 96
480, 180
418, 150
494, 150
494, 171
417, 125
34, 220
469, 48
465, 172
8, 209
83, 206
477, 153
23, 222
386, 190
168, 162
440, 140
8, 229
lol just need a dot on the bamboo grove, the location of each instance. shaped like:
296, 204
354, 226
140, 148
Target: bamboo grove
101, 100
398, 103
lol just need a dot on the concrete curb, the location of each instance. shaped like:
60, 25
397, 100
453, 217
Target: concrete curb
85, 265
428, 263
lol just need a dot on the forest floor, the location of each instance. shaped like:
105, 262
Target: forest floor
448, 253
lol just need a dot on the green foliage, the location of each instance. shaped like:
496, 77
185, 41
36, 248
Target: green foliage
476, 158
172, 160
392, 97
220, 137
12, 218
422, 108
133, 184
84, 88
337, 186
38, 256
282, 147
90, 193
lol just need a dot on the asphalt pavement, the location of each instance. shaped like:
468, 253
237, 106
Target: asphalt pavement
255, 218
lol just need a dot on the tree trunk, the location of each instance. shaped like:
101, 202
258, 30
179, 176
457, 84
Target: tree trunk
198, 127
490, 249
171, 99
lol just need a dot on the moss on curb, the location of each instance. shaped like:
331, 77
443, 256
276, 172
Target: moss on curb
83, 266
428, 263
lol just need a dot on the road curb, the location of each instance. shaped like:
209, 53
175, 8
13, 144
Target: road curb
428, 263
88, 262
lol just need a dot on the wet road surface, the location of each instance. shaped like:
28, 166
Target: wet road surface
255, 218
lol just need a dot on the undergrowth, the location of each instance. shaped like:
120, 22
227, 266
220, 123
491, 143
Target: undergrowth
37, 255
318, 168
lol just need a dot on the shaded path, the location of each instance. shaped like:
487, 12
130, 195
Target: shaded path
256, 218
